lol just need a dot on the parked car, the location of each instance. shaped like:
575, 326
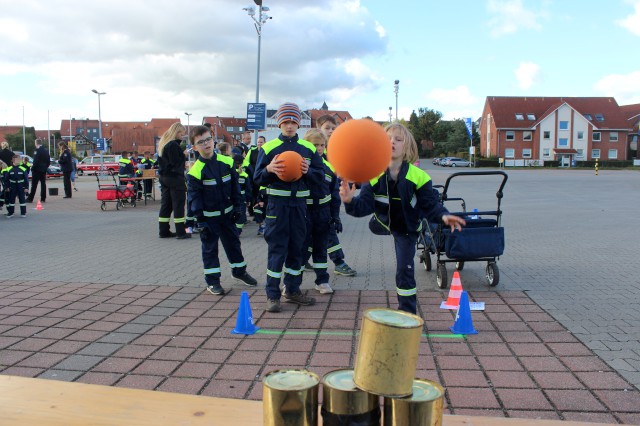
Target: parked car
54, 171
441, 161
436, 160
456, 162
90, 165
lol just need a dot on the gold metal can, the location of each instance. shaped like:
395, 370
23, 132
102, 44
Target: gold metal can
422, 408
341, 396
290, 398
387, 352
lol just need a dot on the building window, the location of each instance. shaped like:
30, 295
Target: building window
526, 135
580, 153
580, 135
519, 116
509, 153
613, 154
595, 153
588, 117
511, 136
546, 134
613, 136
564, 125
599, 117
563, 142
531, 117
526, 153
596, 136
546, 152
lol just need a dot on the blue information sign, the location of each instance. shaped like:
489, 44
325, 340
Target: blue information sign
256, 116
101, 144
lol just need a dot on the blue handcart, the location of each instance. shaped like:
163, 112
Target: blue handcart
481, 240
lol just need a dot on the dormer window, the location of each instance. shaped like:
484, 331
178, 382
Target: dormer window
531, 117
588, 117
599, 117
519, 116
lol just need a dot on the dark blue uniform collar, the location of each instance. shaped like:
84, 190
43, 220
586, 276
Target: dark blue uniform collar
284, 138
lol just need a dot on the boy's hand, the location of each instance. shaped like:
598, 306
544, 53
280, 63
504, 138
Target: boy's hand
276, 165
347, 191
454, 222
304, 166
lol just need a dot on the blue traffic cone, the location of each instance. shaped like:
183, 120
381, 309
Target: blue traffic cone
463, 324
244, 322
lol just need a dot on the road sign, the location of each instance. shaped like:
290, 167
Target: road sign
256, 116
100, 144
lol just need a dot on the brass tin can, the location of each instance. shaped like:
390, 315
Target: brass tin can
290, 397
422, 408
387, 352
341, 396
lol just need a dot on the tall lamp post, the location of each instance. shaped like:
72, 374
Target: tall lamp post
258, 22
24, 136
390, 115
188, 114
104, 144
396, 87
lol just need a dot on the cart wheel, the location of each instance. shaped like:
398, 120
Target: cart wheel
133, 202
441, 275
103, 206
460, 265
492, 274
118, 205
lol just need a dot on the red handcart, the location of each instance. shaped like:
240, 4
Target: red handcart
114, 191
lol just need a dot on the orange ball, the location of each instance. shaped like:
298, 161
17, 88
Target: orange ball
292, 166
359, 150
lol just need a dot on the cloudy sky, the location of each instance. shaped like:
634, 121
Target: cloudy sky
161, 58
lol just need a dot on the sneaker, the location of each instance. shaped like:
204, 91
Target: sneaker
195, 230
189, 230
324, 288
344, 270
308, 267
9, 216
273, 305
247, 279
215, 289
261, 231
299, 299
23, 215
183, 236
169, 235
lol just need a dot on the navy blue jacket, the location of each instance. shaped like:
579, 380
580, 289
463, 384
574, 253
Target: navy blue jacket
65, 161
41, 160
16, 177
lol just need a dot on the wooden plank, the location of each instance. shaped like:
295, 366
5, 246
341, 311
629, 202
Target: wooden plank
26, 401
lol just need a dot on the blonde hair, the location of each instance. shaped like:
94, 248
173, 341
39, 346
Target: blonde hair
315, 135
410, 146
224, 148
170, 135
4, 145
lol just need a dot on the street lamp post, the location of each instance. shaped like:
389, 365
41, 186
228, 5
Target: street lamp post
396, 87
24, 136
258, 22
100, 128
390, 115
188, 114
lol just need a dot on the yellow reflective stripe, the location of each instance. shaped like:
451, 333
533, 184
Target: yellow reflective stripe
418, 176
226, 178
292, 271
406, 292
334, 248
209, 182
164, 219
284, 193
207, 213
178, 220
320, 265
238, 265
274, 274
382, 199
209, 271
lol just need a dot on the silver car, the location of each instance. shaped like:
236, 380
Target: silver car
456, 162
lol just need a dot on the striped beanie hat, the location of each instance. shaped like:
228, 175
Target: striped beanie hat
288, 111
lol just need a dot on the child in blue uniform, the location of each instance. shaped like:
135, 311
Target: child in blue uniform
286, 216
16, 184
403, 194
214, 197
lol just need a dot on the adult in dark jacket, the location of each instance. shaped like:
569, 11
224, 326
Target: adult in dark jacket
41, 162
6, 154
66, 164
171, 161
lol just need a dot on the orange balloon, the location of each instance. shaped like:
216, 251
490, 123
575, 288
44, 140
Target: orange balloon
292, 166
359, 150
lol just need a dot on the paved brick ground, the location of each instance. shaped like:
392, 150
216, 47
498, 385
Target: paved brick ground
96, 297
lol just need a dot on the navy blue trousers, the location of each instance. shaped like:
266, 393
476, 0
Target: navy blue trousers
334, 248
224, 230
285, 233
317, 240
405, 245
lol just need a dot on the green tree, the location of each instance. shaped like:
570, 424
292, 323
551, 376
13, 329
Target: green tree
16, 141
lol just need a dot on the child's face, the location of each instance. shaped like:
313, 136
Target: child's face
260, 142
289, 128
204, 144
327, 128
320, 146
16, 161
397, 144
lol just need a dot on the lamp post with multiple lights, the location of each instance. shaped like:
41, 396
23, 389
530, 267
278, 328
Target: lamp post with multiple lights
396, 87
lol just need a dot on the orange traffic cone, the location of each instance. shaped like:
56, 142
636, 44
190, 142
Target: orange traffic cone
39, 206
453, 301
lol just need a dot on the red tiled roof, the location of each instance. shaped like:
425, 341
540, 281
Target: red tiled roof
631, 111
340, 116
504, 109
8, 130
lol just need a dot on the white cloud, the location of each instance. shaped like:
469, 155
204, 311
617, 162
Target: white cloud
457, 96
509, 16
160, 59
632, 22
527, 74
624, 87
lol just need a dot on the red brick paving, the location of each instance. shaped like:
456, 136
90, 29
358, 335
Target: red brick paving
521, 364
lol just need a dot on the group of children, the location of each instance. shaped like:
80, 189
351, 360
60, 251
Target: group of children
131, 167
300, 217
